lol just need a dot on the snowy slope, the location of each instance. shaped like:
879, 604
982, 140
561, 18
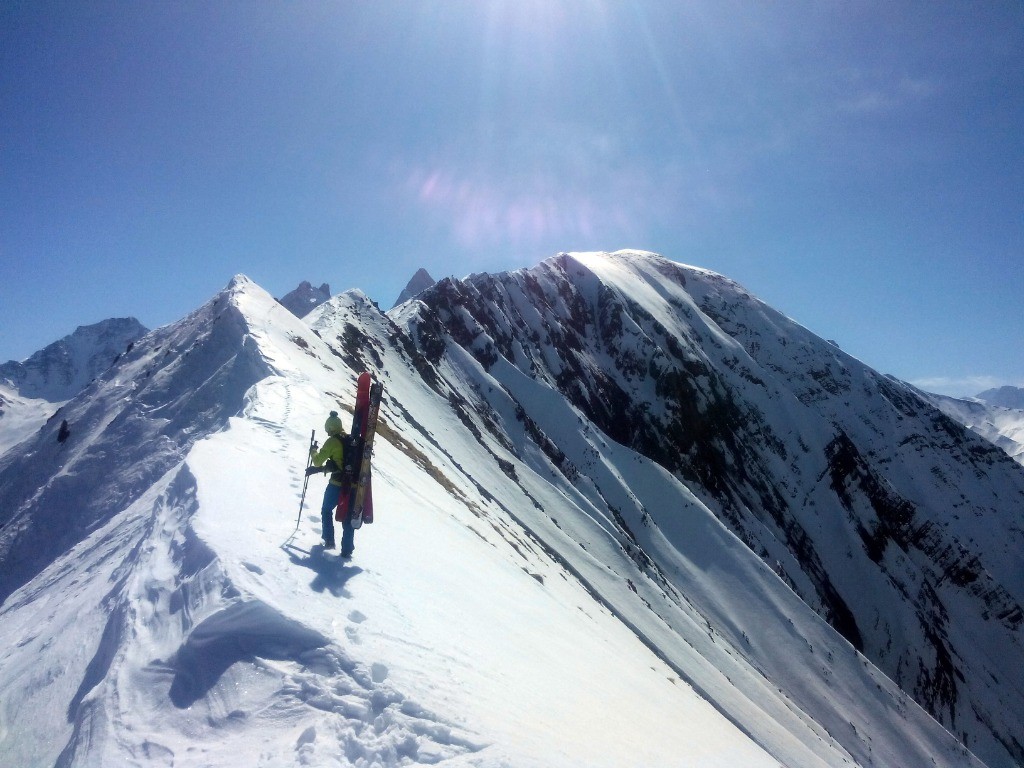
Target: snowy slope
128, 428
1000, 425
898, 527
188, 628
20, 416
531, 594
31, 391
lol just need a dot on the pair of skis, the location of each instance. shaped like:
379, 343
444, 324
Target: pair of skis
356, 502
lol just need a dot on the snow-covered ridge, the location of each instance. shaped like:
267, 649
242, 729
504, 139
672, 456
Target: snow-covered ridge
131, 425
530, 584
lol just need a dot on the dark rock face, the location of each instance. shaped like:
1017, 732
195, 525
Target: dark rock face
305, 298
416, 285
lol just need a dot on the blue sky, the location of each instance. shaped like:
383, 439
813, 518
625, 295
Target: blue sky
858, 165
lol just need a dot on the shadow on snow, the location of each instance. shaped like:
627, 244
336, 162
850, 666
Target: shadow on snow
331, 572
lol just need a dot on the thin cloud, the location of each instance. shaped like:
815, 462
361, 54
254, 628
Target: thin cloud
878, 93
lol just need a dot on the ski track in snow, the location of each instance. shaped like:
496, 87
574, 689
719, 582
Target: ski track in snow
342, 612
205, 669
359, 717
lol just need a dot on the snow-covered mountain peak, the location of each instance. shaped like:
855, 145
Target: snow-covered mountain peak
240, 282
676, 496
638, 261
352, 306
60, 370
784, 436
174, 386
242, 290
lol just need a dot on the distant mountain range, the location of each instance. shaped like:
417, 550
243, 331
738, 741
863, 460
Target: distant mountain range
32, 390
1004, 397
993, 414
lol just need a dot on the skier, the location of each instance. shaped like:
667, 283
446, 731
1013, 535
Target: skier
333, 453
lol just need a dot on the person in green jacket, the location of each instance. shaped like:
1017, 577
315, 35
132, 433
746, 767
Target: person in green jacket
333, 454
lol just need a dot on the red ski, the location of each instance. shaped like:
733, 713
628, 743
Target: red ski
362, 505
356, 501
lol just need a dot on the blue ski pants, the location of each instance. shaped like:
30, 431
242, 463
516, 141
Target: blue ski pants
331, 495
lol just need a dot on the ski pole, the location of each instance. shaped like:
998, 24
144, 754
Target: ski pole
309, 460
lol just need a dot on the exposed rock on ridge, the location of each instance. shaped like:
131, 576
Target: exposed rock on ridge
305, 298
863, 496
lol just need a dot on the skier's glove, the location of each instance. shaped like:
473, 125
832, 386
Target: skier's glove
315, 470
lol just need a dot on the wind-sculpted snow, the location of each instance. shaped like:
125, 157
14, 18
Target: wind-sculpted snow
183, 668
597, 521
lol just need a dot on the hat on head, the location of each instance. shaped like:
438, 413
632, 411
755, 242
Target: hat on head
333, 424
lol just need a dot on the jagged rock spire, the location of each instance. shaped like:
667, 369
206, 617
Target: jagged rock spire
305, 298
419, 283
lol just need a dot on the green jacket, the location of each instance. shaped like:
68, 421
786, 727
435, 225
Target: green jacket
333, 449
